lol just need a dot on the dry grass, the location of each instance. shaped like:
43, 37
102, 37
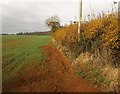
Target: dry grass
96, 67
98, 70
111, 74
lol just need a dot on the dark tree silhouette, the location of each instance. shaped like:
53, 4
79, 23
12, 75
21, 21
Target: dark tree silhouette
53, 22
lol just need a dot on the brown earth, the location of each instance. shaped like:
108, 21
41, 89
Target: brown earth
56, 74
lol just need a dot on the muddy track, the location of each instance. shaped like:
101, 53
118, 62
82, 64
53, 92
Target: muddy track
56, 75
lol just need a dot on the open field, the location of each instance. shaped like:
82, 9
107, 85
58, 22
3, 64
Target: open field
20, 52
34, 64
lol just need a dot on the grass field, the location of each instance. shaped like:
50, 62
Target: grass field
20, 52
31, 65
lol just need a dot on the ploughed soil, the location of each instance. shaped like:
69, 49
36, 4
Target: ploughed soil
56, 74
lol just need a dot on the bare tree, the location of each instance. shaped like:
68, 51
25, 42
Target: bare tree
53, 22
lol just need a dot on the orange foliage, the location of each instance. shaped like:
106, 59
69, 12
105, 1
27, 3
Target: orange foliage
66, 34
105, 28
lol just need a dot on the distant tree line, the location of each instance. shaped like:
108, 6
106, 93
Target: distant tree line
34, 33
4, 34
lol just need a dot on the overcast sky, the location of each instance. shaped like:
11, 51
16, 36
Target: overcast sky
24, 15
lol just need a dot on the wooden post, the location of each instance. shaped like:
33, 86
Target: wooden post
80, 16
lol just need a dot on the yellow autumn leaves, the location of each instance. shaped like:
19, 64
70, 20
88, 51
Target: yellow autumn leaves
106, 28
66, 34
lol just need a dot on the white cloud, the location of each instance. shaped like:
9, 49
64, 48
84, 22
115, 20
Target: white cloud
30, 15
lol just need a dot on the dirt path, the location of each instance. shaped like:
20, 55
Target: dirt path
64, 78
56, 75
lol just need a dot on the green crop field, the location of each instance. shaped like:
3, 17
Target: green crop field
20, 52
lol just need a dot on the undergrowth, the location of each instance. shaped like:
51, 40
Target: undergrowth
96, 49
